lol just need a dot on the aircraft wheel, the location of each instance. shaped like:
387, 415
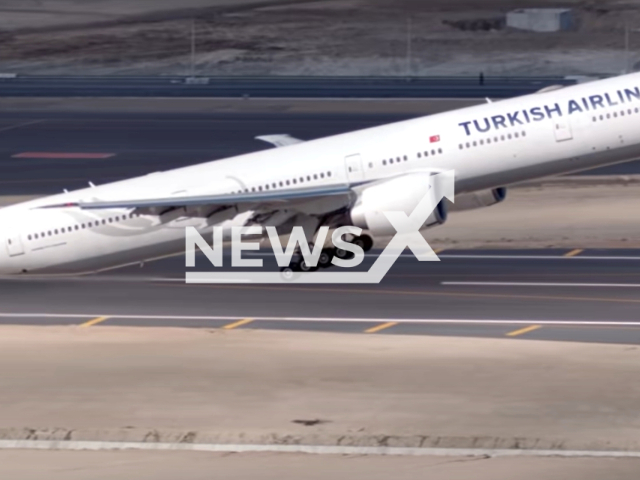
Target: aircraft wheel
364, 241
287, 273
325, 258
303, 267
344, 254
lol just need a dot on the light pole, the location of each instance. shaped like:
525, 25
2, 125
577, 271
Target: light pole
409, 47
627, 49
193, 48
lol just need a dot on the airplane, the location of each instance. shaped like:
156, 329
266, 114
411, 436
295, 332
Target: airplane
340, 180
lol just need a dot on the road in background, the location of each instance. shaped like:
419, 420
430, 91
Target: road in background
276, 87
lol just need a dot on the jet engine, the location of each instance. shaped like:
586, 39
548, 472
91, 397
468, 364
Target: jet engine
472, 201
397, 194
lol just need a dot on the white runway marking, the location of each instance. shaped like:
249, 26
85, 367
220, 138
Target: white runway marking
312, 449
20, 125
491, 257
540, 284
258, 318
538, 257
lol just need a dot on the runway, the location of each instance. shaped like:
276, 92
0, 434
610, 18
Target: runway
591, 296
46, 152
586, 296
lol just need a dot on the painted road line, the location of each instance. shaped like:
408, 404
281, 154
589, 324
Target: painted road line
20, 125
380, 327
95, 321
310, 449
524, 330
237, 324
427, 321
540, 284
484, 257
63, 155
573, 253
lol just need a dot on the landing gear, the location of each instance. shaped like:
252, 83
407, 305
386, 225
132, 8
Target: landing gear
365, 242
287, 273
298, 264
326, 257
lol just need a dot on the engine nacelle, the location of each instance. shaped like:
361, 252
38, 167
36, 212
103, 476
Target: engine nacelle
485, 198
398, 194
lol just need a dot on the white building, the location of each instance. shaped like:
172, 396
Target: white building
541, 19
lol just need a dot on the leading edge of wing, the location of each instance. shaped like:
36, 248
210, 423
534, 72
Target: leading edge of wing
279, 196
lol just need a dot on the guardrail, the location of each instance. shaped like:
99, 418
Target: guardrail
275, 87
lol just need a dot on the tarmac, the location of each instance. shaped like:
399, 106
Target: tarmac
203, 387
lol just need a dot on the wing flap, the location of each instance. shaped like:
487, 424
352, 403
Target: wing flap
277, 197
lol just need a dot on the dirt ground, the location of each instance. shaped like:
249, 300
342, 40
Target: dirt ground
184, 385
326, 37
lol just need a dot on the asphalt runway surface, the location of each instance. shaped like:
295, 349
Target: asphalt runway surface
593, 296
107, 147
587, 296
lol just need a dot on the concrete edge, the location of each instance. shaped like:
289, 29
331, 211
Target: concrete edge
309, 449
577, 181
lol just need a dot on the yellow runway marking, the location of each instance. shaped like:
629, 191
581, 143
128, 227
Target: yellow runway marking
382, 326
237, 324
94, 321
575, 252
521, 331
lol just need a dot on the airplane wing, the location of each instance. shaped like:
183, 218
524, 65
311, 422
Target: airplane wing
280, 198
282, 140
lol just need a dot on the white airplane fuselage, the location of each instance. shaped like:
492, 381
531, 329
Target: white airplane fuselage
488, 146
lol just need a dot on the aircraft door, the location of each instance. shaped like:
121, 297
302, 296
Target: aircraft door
562, 129
14, 246
355, 169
